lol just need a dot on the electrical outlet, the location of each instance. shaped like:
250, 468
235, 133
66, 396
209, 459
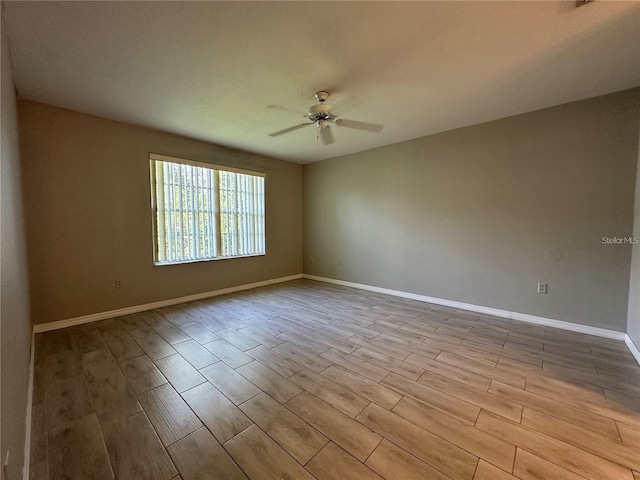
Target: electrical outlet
339, 262
542, 288
118, 283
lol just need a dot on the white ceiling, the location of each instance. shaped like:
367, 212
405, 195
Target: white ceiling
208, 70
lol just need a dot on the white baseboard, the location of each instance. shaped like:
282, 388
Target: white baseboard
94, 317
27, 435
632, 348
523, 317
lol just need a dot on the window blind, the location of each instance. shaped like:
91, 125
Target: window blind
203, 213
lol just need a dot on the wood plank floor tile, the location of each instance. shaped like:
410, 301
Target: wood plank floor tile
57, 341
485, 400
427, 331
629, 434
545, 385
333, 463
67, 400
169, 414
233, 385
331, 341
396, 331
352, 436
78, 451
492, 449
303, 342
262, 458
627, 455
305, 358
373, 391
261, 336
99, 364
196, 354
495, 373
132, 321
277, 325
434, 398
623, 403
388, 362
356, 365
486, 471
577, 416
394, 463
199, 333
152, 343
180, 373
454, 373
61, 365
113, 398
269, 381
153, 319
356, 328
142, 374
440, 454
86, 338
229, 354
176, 316
564, 455
341, 398
172, 334
613, 386
297, 437
279, 363
473, 354
216, 411
110, 392
334, 329
533, 357
199, 456
237, 339
135, 450
423, 376
380, 347
38, 443
121, 345
531, 467
430, 350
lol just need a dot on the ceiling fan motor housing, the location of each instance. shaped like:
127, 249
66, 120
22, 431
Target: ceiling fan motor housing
320, 112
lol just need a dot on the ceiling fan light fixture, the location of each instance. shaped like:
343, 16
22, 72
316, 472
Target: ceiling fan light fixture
321, 115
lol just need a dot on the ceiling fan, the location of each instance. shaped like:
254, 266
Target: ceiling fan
321, 116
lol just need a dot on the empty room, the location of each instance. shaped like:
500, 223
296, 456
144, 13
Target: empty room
320, 240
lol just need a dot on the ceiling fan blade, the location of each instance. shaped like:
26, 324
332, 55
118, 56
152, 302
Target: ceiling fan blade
369, 127
285, 109
325, 135
290, 129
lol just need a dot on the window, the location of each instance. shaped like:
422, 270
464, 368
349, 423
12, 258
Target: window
205, 212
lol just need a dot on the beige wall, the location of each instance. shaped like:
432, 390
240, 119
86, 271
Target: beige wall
481, 214
88, 216
15, 324
633, 314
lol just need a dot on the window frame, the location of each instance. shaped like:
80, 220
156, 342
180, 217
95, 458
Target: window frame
153, 157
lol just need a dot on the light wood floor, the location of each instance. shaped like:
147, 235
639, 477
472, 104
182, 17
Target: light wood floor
305, 380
